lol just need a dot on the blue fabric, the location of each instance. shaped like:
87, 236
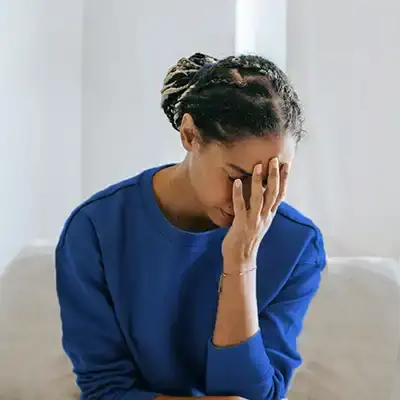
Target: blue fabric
139, 299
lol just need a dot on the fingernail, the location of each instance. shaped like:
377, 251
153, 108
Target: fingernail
238, 182
259, 169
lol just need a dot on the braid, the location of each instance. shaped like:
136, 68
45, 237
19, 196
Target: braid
178, 81
235, 97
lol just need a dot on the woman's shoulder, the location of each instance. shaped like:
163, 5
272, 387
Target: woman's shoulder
292, 220
295, 233
107, 205
292, 216
111, 192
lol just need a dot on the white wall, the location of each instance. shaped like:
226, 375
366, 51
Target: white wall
270, 30
40, 119
344, 58
128, 47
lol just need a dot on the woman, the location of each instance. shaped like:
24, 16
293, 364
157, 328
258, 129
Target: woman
193, 279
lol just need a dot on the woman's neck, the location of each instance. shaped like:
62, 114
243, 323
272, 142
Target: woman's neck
177, 199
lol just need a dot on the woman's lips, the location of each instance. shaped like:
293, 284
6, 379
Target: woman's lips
227, 215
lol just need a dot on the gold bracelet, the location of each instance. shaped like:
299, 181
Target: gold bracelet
224, 275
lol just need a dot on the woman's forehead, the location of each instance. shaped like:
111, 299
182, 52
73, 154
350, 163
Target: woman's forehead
249, 152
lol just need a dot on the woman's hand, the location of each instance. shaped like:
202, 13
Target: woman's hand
250, 224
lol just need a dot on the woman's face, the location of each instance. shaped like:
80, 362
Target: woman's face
214, 167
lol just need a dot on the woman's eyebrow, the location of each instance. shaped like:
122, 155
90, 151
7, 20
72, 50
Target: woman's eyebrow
240, 169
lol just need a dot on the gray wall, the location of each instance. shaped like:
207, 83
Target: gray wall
128, 47
40, 119
345, 60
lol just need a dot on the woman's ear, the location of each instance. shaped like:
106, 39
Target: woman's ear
189, 133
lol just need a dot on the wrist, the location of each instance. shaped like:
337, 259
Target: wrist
241, 281
232, 266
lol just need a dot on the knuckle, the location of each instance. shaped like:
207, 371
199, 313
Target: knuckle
241, 205
274, 192
257, 196
265, 214
274, 173
239, 198
256, 177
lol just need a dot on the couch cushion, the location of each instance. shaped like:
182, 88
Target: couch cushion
351, 338
32, 363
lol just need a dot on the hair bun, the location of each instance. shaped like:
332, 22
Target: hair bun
178, 80
201, 59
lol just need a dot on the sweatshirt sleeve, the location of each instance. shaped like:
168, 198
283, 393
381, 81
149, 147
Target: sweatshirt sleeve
261, 368
91, 335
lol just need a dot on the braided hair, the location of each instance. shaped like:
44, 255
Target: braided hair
233, 98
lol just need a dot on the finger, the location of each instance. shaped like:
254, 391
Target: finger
272, 191
239, 205
284, 177
257, 191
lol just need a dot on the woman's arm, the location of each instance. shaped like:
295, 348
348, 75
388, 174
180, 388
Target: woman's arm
253, 353
237, 317
261, 367
91, 335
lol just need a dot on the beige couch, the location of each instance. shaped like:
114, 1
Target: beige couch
350, 344
351, 337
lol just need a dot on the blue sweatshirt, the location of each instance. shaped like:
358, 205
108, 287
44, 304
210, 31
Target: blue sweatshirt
139, 298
